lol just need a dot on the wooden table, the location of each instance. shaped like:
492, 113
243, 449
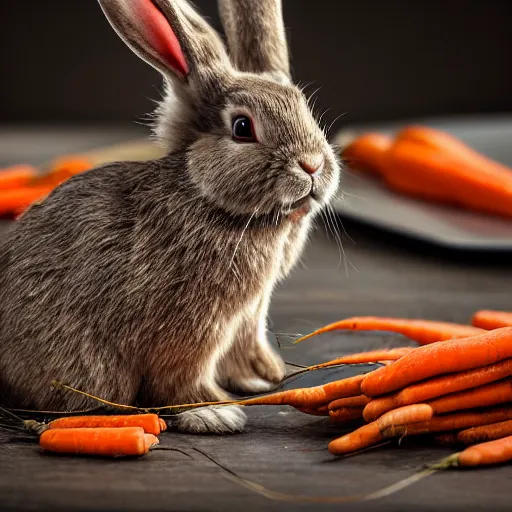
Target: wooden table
283, 449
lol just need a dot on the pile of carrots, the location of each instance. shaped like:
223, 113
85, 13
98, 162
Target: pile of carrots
456, 386
22, 185
432, 165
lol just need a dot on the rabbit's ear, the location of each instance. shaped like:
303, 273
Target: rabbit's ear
168, 34
256, 36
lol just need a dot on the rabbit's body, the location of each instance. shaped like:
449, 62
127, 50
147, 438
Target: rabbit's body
149, 283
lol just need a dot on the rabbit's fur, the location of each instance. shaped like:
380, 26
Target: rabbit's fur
149, 283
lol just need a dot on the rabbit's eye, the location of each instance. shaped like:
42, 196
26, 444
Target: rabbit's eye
243, 130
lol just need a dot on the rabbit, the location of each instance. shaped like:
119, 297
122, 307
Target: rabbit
148, 283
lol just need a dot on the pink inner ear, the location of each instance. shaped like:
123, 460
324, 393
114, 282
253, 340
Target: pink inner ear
159, 34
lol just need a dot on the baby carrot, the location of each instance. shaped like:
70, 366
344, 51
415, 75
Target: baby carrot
439, 358
149, 422
438, 386
163, 425
422, 331
487, 319
350, 401
17, 176
111, 442
485, 432
454, 421
489, 453
367, 151
345, 414
366, 357
482, 396
310, 397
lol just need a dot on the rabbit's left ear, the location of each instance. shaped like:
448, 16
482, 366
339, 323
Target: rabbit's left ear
256, 36
168, 34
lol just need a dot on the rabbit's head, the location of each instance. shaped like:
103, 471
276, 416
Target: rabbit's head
252, 144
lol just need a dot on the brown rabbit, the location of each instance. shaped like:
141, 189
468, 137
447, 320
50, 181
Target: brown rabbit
149, 283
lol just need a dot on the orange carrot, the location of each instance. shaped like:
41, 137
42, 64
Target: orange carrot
485, 454
438, 386
149, 422
419, 170
450, 422
367, 151
407, 415
422, 331
310, 397
482, 396
445, 143
19, 198
17, 176
439, 358
350, 401
366, 357
371, 434
163, 425
345, 414
487, 319
485, 432
111, 442
363, 437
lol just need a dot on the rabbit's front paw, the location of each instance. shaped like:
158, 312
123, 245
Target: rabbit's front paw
251, 368
211, 420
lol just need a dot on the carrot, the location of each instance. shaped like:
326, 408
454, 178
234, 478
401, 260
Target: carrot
445, 143
482, 396
149, 422
345, 414
423, 171
17, 176
310, 397
163, 425
371, 434
438, 386
485, 454
378, 406
450, 422
19, 198
111, 442
439, 358
422, 331
350, 401
366, 357
485, 432
367, 151
487, 319
363, 437
406, 415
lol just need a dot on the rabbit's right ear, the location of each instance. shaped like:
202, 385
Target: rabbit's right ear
168, 34
256, 36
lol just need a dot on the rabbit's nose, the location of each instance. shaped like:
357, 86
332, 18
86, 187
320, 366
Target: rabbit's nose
312, 164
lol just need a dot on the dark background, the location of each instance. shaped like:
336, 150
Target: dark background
374, 60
